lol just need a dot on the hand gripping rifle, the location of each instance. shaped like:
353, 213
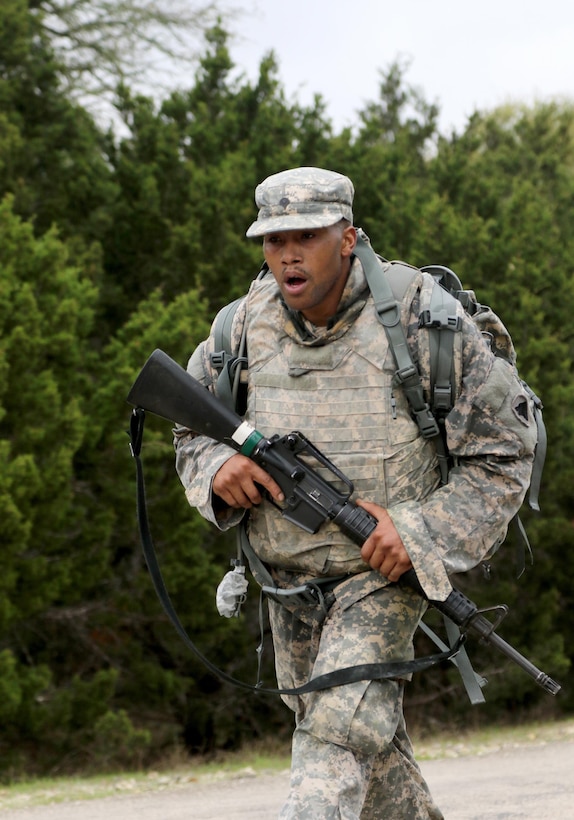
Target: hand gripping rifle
167, 390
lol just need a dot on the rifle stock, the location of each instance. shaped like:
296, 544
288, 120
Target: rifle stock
167, 390
164, 388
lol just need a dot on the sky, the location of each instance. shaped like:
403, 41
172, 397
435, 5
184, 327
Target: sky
461, 55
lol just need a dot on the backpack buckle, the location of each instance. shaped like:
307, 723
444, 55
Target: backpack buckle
440, 320
218, 359
426, 422
403, 374
442, 397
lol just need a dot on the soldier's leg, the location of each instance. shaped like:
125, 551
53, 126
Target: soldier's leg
314, 762
327, 781
342, 731
295, 645
397, 788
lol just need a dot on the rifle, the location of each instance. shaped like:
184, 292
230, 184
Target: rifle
164, 388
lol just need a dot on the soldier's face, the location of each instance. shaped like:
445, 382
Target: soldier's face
311, 267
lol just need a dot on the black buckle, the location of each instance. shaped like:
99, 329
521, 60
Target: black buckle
426, 422
218, 359
405, 373
440, 319
443, 397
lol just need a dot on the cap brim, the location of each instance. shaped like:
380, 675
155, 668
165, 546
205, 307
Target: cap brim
292, 222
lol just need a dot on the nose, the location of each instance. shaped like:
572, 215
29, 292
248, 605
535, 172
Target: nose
291, 252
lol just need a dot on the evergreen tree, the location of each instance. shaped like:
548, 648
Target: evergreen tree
187, 175
112, 248
46, 316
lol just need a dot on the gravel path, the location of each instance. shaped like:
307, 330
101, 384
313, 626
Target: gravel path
525, 781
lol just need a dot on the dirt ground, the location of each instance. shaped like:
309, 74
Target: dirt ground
526, 781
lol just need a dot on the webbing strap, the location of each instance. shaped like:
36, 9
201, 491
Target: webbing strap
442, 322
229, 363
351, 674
473, 682
443, 318
389, 315
229, 366
540, 454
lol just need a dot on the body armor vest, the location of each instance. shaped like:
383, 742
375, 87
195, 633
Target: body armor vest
338, 391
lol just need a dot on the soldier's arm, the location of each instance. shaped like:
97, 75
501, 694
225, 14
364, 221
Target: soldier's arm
198, 458
492, 435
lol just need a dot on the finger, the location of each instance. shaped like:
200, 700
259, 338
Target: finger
239, 483
368, 549
264, 479
251, 478
236, 498
375, 556
370, 507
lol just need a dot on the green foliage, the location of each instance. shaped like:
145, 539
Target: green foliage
46, 310
117, 743
19, 687
62, 719
187, 175
113, 247
50, 150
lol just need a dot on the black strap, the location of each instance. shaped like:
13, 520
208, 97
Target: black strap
350, 674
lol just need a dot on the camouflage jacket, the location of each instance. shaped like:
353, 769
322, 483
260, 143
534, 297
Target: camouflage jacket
336, 385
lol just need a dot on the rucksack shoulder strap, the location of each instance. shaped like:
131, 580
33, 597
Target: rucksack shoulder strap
388, 310
440, 350
228, 359
224, 358
223, 323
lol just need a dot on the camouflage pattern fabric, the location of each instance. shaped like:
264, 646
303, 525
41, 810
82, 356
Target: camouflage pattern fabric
302, 198
352, 756
341, 395
491, 433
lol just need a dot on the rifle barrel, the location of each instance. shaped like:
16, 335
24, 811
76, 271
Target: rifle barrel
482, 627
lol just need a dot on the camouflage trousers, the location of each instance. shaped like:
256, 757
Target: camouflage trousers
351, 757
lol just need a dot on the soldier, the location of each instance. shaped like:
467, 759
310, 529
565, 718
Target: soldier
320, 362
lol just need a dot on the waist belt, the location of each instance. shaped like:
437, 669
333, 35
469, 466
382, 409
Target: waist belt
316, 592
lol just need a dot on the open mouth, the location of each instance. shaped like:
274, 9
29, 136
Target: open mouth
294, 282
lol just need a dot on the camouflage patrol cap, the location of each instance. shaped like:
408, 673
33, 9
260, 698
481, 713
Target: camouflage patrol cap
302, 198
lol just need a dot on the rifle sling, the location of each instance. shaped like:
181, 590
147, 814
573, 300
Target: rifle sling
351, 674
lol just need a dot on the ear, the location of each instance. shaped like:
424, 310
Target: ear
348, 241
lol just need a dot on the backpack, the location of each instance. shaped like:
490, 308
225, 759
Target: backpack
441, 309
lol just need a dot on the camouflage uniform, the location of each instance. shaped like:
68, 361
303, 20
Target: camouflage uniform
351, 754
